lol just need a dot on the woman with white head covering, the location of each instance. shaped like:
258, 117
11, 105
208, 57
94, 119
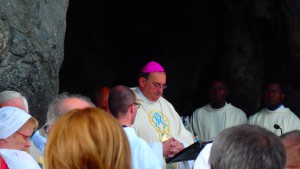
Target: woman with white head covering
16, 128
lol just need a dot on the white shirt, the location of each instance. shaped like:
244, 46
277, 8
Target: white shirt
39, 141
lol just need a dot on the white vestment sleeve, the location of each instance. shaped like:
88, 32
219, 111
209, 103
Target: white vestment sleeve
202, 161
186, 164
158, 150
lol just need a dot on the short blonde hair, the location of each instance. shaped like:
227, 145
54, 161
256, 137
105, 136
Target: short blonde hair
89, 138
31, 122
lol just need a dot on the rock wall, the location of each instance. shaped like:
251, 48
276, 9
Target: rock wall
32, 49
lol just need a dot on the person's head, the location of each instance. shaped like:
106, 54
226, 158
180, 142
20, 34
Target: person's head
87, 138
274, 95
102, 97
218, 91
247, 146
291, 142
65, 102
16, 128
152, 81
123, 104
14, 99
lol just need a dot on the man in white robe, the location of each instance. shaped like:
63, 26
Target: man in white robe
123, 106
208, 121
275, 112
157, 122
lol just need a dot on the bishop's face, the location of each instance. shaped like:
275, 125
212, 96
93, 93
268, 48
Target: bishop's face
153, 86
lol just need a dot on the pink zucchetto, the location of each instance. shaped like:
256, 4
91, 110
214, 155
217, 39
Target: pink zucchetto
152, 67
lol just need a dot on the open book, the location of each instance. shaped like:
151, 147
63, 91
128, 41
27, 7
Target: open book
189, 153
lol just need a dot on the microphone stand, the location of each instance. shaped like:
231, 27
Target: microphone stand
280, 131
276, 126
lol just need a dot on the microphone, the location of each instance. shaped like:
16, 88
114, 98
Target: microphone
276, 126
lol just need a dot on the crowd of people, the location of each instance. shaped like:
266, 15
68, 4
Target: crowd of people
138, 128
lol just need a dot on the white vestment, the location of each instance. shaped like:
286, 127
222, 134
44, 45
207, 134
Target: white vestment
208, 122
282, 116
157, 121
141, 153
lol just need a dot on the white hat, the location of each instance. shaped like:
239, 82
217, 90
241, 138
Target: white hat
11, 120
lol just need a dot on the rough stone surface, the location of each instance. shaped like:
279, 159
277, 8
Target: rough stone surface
32, 49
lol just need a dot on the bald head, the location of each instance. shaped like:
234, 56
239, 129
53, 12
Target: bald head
291, 142
65, 102
74, 103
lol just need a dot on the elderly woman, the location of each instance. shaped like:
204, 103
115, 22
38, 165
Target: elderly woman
16, 128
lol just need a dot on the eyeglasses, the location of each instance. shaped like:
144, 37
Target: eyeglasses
138, 105
27, 138
158, 85
46, 128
